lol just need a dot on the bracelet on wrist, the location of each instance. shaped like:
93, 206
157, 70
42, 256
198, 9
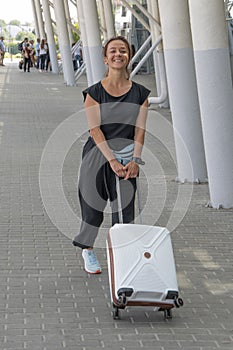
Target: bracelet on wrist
138, 160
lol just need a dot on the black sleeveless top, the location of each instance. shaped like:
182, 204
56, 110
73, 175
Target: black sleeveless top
118, 114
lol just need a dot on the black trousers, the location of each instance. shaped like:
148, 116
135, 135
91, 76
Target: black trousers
42, 61
97, 185
27, 64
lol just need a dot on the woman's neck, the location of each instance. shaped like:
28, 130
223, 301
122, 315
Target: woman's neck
117, 79
116, 86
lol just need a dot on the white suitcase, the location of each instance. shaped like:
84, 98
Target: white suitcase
141, 268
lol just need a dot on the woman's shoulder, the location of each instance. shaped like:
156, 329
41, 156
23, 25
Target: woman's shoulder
140, 91
93, 91
140, 87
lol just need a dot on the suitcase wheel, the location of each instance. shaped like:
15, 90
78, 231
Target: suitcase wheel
115, 312
167, 313
122, 300
179, 302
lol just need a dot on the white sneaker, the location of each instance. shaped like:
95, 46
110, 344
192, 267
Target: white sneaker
91, 263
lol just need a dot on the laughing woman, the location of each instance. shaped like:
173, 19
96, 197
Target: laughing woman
116, 110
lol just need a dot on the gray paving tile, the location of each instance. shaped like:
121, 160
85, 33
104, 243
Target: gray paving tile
47, 301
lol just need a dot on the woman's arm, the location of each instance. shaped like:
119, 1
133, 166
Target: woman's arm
132, 168
140, 129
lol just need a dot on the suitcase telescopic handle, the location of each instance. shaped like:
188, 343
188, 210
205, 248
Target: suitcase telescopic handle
119, 202
119, 205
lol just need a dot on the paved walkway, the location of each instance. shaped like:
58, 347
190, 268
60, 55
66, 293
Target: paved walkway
47, 301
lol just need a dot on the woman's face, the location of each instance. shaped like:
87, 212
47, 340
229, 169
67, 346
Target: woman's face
117, 55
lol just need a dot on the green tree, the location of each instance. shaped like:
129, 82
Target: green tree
4, 32
76, 36
15, 22
2, 23
22, 35
3, 29
13, 48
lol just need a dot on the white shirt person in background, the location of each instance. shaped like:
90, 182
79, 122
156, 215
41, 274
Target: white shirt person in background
43, 54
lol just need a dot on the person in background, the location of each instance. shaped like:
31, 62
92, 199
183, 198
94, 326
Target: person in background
75, 64
24, 43
78, 55
116, 110
27, 51
47, 60
31, 42
2, 51
37, 51
43, 54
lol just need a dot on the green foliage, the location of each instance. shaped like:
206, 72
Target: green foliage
76, 37
15, 22
22, 35
4, 33
2, 23
13, 48
3, 29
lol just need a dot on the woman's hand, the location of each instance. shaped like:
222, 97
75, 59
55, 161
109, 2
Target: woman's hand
131, 169
118, 168
128, 171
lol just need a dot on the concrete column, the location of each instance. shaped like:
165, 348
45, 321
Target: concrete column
35, 19
214, 84
182, 88
102, 20
64, 43
68, 20
50, 37
230, 38
40, 19
109, 18
86, 56
158, 54
93, 39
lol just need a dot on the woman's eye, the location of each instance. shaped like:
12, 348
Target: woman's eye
121, 51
